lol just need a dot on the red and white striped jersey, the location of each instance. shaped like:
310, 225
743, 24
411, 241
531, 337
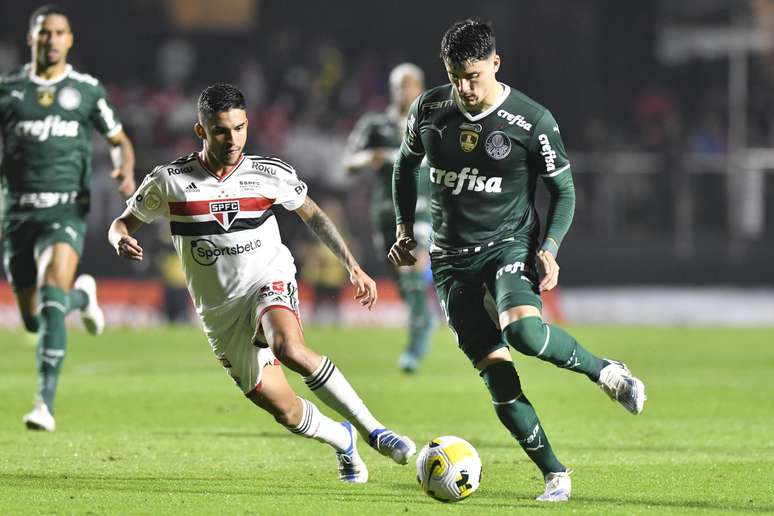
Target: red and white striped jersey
223, 228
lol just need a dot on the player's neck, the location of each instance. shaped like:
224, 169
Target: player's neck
213, 164
50, 71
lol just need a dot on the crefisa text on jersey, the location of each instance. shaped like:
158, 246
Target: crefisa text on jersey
456, 180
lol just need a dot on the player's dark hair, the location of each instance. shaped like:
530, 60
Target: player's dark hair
467, 40
219, 97
45, 10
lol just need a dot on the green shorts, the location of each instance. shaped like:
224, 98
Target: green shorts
24, 240
474, 288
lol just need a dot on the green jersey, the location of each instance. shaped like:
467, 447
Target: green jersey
385, 131
47, 129
483, 170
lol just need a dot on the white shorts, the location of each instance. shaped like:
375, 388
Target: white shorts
235, 334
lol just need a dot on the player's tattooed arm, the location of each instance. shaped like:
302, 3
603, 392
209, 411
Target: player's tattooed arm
323, 227
326, 231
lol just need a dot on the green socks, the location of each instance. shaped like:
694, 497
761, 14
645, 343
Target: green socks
533, 337
413, 290
76, 300
52, 341
518, 416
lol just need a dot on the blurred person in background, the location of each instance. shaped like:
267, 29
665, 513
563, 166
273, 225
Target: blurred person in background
322, 270
241, 277
373, 146
486, 145
48, 112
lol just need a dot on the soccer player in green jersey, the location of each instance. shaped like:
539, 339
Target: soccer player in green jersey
47, 114
372, 146
486, 145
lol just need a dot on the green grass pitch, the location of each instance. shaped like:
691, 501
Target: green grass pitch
148, 423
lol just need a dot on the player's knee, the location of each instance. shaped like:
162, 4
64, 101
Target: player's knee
527, 335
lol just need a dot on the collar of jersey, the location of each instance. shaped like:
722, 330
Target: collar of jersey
474, 118
48, 82
213, 174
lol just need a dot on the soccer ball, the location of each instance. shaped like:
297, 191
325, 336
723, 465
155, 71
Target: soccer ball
449, 469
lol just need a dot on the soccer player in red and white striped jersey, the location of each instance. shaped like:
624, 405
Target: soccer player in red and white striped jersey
241, 276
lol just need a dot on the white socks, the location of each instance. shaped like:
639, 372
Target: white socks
334, 390
316, 425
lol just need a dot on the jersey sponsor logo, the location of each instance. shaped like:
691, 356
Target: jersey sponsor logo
52, 125
225, 212
468, 179
411, 135
433, 127
468, 140
45, 96
44, 199
174, 171
438, 105
513, 268
206, 253
18, 94
498, 145
517, 120
548, 153
69, 98
261, 167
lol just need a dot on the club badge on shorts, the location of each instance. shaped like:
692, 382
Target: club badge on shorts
497, 145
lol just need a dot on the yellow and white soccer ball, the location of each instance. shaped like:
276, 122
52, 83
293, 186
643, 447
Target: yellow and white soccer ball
449, 469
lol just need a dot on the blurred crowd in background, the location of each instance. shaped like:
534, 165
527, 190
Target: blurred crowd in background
645, 115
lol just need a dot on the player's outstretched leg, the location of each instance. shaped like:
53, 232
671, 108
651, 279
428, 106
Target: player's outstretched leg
413, 290
518, 416
533, 337
328, 383
303, 418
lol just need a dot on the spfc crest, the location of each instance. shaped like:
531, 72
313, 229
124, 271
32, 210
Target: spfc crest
225, 212
468, 140
45, 96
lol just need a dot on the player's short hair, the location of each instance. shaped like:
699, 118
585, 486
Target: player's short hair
219, 97
45, 10
467, 40
399, 72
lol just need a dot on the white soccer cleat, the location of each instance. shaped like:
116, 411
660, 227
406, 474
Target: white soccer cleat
618, 383
558, 487
92, 317
392, 445
40, 418
352, 469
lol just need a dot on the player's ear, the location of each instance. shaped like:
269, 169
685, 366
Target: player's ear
199, 130
496, 63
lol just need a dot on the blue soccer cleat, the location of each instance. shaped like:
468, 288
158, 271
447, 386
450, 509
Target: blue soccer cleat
392, 445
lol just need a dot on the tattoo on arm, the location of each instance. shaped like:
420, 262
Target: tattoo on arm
326, 231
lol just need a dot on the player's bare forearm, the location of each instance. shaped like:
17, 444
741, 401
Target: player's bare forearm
120, 236
122, 155
326, 231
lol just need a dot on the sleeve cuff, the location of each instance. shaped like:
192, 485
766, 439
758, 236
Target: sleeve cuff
550, 245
